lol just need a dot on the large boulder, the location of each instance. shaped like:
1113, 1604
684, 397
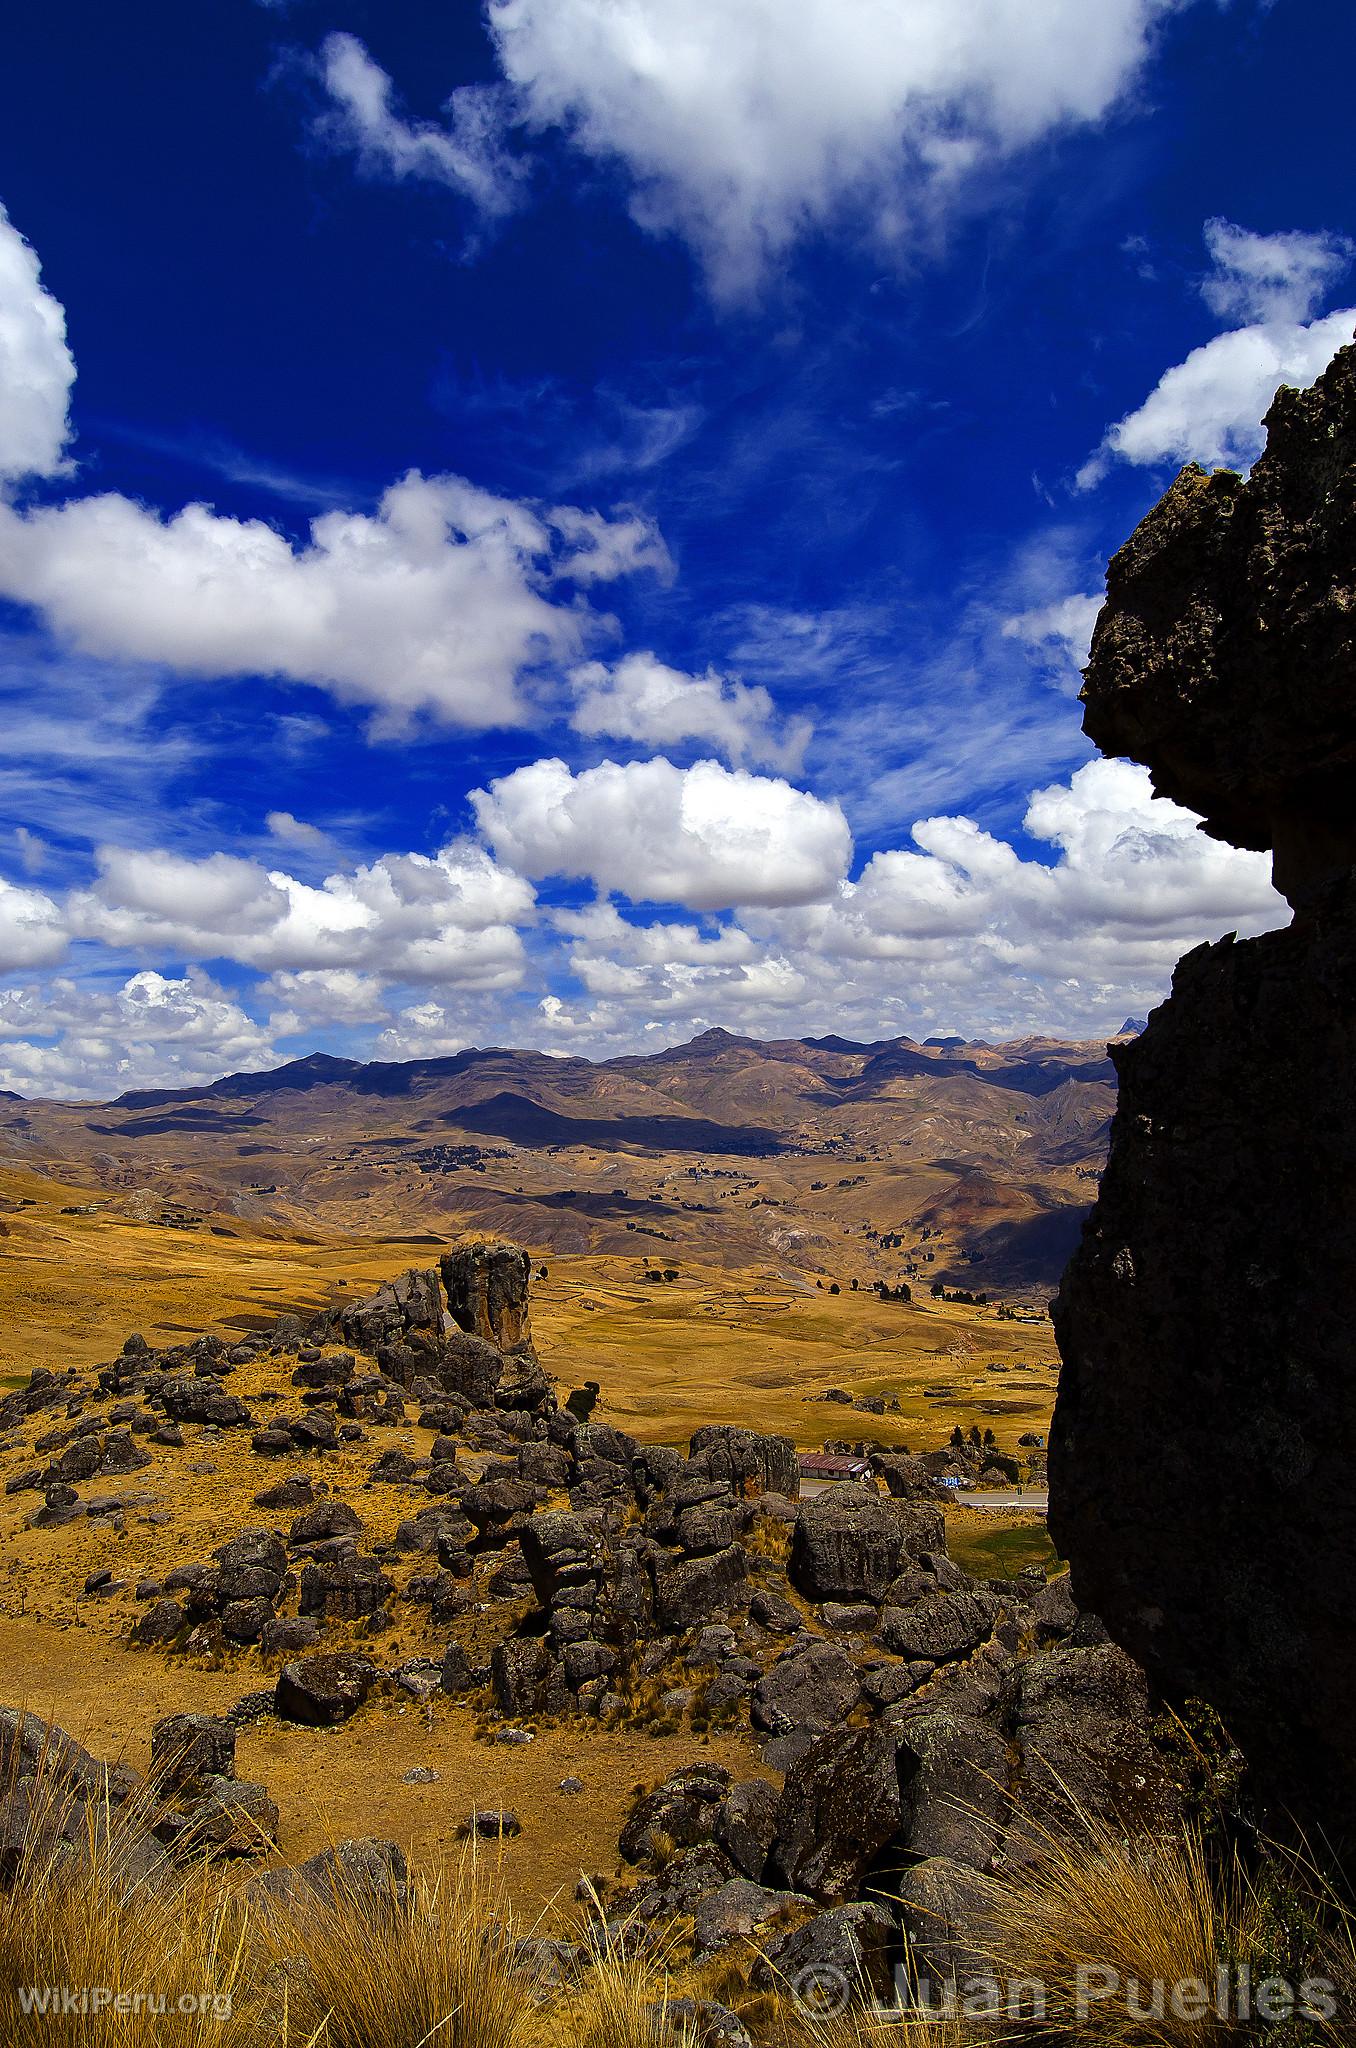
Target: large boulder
1199, 1457
320, 1691
841, 1807
486, 1282
1080, 1733
814, 1687
697, 1589
850, 1543
412, 1303
752, 1462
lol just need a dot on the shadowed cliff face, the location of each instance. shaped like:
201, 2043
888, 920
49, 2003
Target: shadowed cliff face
1201, 1457
1223, 657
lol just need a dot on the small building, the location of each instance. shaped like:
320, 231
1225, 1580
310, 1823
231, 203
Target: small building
833, 1465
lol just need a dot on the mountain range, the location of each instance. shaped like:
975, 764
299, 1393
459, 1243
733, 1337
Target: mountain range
967, 1163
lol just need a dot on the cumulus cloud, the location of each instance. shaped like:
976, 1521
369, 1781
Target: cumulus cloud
448, 918
32, 933
1270, 277
322, 996
745, 124
1209, 409
66, 1039
466, 152
440, 602
641, 698
424, 1031
962, 931
705, 836
36, 369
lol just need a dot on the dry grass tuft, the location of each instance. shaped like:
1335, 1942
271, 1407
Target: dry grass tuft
88, 1905
1176, 1926
431, 1962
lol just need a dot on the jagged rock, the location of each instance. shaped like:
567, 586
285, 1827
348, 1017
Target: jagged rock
323, 1690
681, 1811
814, 1687
367, 1870
526, 1678
772, 1610
939, 1626
953, 1771
470, 1367
698, 1588
345, 1590
847, 1952
840, 1806
296, 1491
244, 1621
1079, 1723
287, 1634
203, 1400
186, 1746
849, 1542
486, 1283
944, 1909
906, 1478
1223, 595
562, 1548
751, 1462
326, 1518
491, 1824
411, 1304
160, 1624
746, 1824
740, 1910
1199, 1453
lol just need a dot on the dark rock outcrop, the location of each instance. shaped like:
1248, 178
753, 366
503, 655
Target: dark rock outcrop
1199, 1459
1222, 658
487, 1283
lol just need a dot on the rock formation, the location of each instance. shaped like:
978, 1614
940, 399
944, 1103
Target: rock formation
1200, 1453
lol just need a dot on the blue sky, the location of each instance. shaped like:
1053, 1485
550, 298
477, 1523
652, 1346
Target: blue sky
574, 522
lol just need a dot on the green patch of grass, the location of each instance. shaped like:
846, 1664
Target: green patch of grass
1000, 1552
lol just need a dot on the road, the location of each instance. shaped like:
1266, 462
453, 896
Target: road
1035, 1501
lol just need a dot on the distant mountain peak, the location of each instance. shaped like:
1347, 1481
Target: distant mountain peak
1132, 1027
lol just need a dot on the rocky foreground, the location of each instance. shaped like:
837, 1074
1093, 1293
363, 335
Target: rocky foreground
915, 1727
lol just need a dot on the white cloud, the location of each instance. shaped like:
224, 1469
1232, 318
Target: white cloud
964, 933
32, 933
640, 698
1209, 409
293, 831
424, 1031
152, 1031
1264, 278
36, 370
745, 124
466, 153
410, 917
704, 836
33, 851
1060, 633
322, 996
441, 602
605, 548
